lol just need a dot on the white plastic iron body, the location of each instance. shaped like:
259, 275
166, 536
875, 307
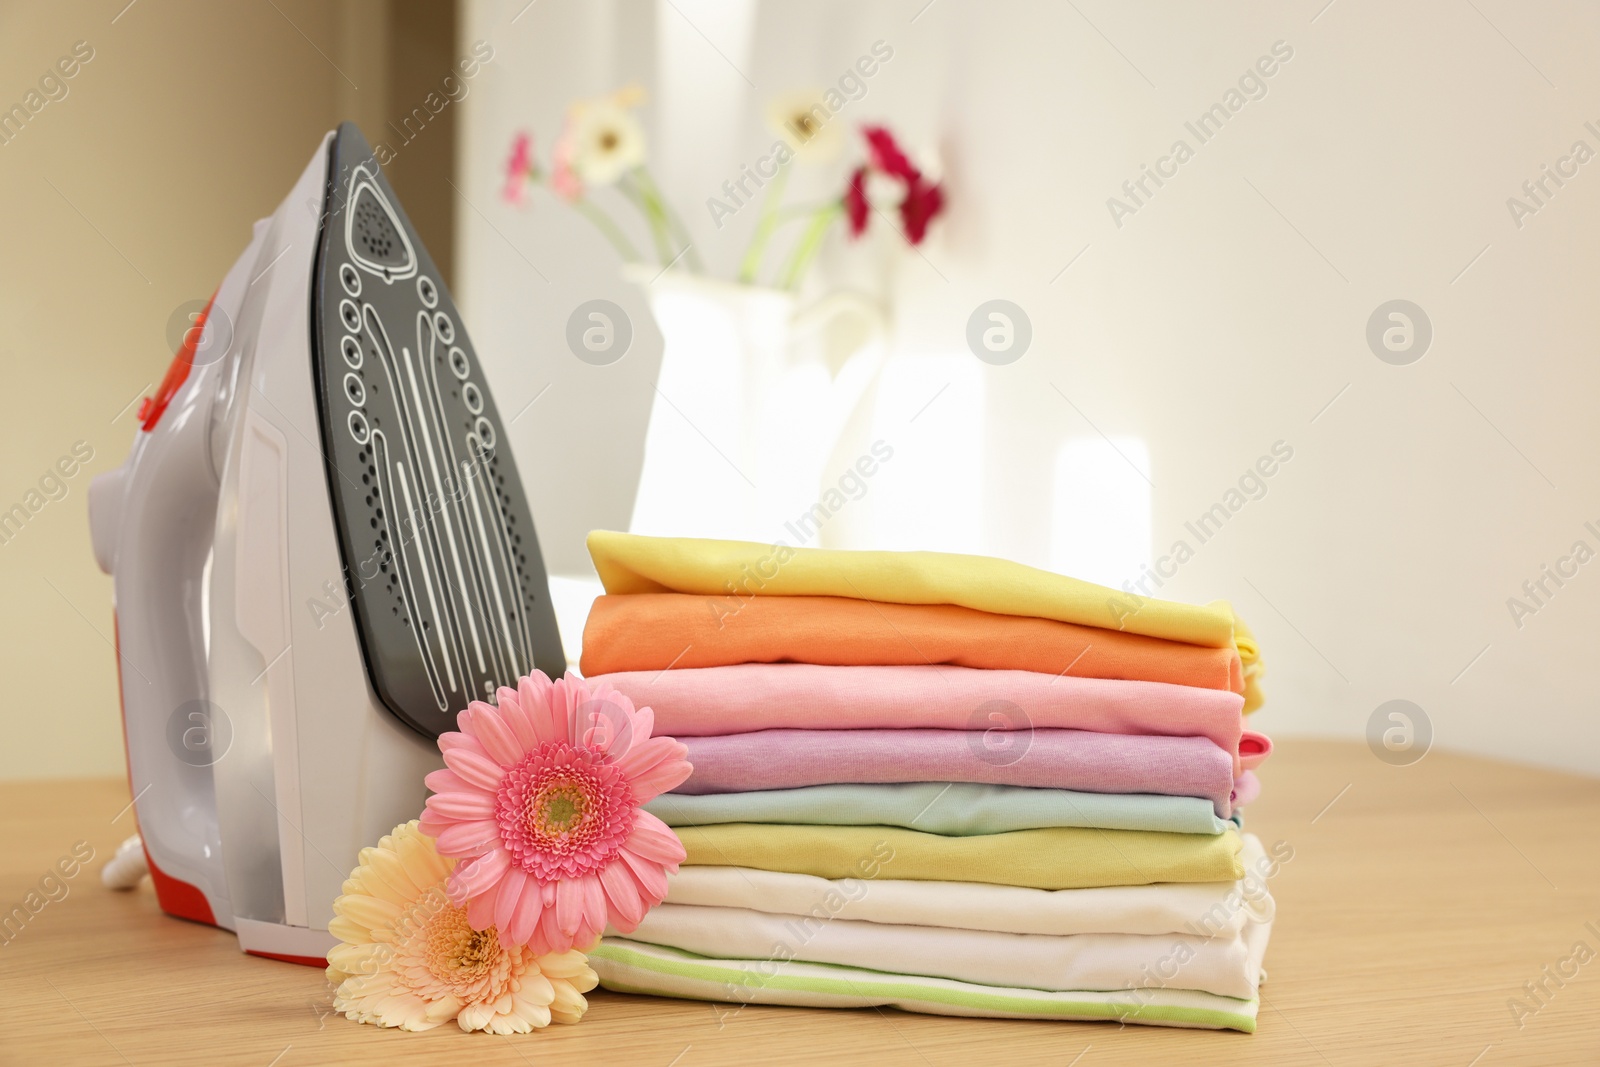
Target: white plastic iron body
261, 759
151, 522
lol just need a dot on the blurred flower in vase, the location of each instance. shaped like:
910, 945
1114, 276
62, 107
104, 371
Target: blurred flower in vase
606, 140
922, 204
802, 122
856, 206
521, 169
920, 200
886, 156
602, 146
888, 179
564, 180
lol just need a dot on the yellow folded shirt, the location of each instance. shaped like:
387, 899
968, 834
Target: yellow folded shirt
1055, 858
730, 571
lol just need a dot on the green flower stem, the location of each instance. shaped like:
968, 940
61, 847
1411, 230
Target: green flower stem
810, 241
802, 211
765, 226
611, 230
651, 210
680, 232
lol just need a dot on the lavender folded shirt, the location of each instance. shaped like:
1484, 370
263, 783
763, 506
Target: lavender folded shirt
1049, 759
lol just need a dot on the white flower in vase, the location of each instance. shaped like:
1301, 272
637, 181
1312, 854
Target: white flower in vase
806, 125
606, 139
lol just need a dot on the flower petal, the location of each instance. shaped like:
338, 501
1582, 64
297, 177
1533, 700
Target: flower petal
654, 766
383, 868
548, 937
595, 908
655, 840
509, 896
432, 823
475, 804
349, 931
662, 778
446, 781
480, 911
568, 1000
476, 767
569, 906
563, 964
444, 1009
622, 890
495, 734
651, 876
464, 839
370, 912
464, 740
531, 1016
510, 703
478, 877
474, 1016
536, 991
533, 694
424, 865
644, 723
525, 919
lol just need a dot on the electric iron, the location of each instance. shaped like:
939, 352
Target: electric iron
321, 552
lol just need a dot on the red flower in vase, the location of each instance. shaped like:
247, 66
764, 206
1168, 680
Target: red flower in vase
886, 155
921, 206
923, 200
856, 208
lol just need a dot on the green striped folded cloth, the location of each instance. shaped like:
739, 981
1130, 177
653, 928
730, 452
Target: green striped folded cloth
626, 966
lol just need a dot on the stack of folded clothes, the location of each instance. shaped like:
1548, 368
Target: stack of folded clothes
950, 784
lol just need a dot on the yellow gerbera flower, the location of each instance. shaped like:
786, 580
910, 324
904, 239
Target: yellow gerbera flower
410, 959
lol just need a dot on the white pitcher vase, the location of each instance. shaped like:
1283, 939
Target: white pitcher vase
754, 392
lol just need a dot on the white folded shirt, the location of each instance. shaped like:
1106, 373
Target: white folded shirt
1197, 909
1225, 966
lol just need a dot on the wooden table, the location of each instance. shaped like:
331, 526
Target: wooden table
1418, 903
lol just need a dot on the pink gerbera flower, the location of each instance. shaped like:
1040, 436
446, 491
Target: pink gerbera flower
540, 801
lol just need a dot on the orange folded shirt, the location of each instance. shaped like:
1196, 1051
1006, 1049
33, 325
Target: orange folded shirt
655, 631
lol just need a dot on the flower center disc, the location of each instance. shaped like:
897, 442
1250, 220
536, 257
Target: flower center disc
437, 953
564, 811
457, 952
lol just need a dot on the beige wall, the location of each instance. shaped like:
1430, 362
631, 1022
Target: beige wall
1224, 316
125, 198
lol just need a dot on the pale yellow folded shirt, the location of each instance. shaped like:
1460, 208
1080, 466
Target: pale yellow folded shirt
733, 570
1053, 858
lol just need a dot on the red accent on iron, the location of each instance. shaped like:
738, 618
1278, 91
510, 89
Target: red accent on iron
179, 898
151, 410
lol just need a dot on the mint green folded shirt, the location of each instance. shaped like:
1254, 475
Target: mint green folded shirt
951, 809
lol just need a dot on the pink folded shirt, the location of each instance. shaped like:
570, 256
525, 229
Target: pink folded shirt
710, 701
1048, 759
